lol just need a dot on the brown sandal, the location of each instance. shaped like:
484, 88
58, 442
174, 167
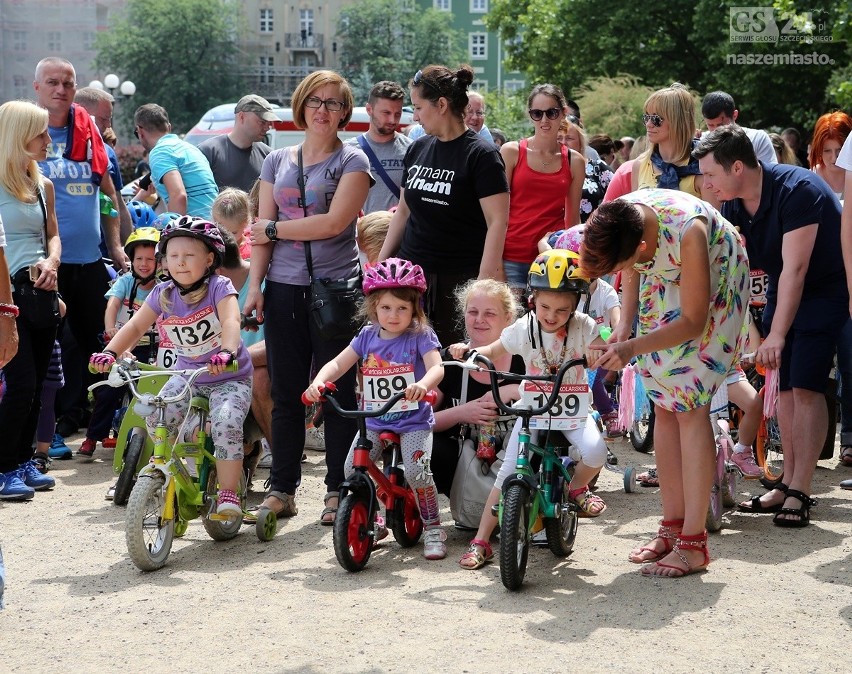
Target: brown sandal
846, 455
668, 532
329, 510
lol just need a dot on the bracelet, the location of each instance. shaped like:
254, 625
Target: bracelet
229, 352
110, 353
9, 310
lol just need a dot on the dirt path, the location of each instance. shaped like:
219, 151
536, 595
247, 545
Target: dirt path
76, 602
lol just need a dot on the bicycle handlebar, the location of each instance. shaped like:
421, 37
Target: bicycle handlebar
494, 375
329, 389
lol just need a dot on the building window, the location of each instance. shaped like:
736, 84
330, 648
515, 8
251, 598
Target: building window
306, 27
477, 45
478, 6
511, 86
406, 5
88, 40
22, 88
479, 85
266, 65
265, 20
443, 5
54, 41
19, 40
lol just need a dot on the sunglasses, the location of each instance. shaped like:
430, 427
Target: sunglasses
536, 115
420, 79
331, 104
656, 120
136, 132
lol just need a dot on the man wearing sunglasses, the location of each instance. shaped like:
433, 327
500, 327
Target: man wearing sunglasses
718, 109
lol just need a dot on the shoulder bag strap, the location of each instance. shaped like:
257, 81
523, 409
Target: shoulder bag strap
301, 180
377, 165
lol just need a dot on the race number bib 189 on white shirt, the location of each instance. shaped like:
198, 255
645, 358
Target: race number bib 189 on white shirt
382, 383
194, 335
568, 412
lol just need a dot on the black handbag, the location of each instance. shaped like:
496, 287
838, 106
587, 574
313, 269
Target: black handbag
39, 308
333, 303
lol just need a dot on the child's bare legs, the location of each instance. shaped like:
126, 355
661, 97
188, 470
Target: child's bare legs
228, 474
743, 395
682, 438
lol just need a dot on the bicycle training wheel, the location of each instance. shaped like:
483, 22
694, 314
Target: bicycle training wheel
768, 448
149, 537
127, 476
642, 432
222, 530
353, 537
514, 536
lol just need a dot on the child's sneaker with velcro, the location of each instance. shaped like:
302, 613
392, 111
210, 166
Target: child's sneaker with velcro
434, 545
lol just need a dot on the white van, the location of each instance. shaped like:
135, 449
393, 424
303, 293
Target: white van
220, 120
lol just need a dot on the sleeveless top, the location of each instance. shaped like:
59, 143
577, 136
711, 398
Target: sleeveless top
536, 205
24, 225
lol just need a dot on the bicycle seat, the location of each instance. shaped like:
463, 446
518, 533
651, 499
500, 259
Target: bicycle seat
388, 438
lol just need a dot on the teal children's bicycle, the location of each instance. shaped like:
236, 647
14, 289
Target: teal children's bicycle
179, 484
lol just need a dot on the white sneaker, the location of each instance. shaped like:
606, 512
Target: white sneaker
434, 546
747, 465
315, 439
265, 460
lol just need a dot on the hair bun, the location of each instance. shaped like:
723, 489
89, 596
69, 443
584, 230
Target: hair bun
464, 76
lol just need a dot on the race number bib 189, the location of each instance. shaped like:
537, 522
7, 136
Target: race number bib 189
382, 383
759, 280
568, 412
194, 335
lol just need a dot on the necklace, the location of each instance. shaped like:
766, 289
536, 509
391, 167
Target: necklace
553, 368
545, 157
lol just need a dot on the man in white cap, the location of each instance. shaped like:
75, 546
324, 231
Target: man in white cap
236, 158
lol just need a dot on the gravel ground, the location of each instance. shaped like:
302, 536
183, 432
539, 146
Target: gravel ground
76, 602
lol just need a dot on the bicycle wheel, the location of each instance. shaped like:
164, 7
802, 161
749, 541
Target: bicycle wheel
127, 476
642, 433
353, 540
768, 449
222, 530
729, 485
514, 536
562, 529
407, 526
714, 512
149, 537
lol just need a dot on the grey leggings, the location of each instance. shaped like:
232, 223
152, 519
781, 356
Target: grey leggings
416, 450
229, 405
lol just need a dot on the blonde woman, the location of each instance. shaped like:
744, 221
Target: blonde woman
32, 254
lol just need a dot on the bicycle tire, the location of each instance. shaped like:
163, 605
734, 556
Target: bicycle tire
222, 530
562, 529
768, 449
729, 484
127, 476
353, 540
407, 526
716, 507
642, 433
148, 537
514, 536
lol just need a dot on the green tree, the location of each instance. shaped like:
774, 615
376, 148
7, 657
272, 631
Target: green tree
391, 40
179, 53
613, 105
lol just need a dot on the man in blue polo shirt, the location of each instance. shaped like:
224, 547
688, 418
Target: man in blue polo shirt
790, 219
179, 171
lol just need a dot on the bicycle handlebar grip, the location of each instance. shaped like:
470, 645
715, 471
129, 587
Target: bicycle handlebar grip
431, 397
329, 386
233, 366
249, 322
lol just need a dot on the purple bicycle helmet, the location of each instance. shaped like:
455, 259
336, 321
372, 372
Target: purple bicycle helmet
196, 228
394, 273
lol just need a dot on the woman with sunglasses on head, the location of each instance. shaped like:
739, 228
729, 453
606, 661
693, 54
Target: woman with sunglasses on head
454, 205
336, 181
546, 180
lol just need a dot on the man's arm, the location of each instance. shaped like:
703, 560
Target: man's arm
110, 227
173, 183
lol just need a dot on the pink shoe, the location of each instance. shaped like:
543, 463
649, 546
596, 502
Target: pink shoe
610, 421
747, 465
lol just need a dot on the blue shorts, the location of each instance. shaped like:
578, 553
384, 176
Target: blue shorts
517, 273
808, 354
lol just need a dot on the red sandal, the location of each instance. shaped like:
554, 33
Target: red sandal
697, 542
668, 532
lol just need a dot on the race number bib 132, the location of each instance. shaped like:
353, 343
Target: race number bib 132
759, 280
382, 383
568, 412
194, 335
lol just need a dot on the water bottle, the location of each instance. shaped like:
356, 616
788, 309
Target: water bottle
486, 448
107, 206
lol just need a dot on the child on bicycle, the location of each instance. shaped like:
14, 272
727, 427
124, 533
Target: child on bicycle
397, 337
553, 332
125, 296
199, 311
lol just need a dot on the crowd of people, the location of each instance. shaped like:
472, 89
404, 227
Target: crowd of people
445, 231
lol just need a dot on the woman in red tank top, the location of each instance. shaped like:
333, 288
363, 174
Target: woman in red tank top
546, 182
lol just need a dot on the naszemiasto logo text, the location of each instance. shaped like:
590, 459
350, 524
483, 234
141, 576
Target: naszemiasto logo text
812, 59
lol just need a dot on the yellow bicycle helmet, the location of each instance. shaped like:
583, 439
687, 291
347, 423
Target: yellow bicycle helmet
558, 271
149, 235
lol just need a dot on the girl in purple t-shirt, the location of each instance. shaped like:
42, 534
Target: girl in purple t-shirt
200, 314
398, 351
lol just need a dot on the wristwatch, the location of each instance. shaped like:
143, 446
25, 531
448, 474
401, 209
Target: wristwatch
271, 231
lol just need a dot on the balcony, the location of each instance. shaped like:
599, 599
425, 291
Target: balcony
304, 41
276, 83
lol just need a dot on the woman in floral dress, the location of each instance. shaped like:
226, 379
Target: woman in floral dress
685, 270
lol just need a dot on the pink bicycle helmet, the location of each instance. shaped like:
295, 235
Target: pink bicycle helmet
571, 239
196, 228
394, 273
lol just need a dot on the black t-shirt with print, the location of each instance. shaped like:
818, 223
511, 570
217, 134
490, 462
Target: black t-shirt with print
444, 182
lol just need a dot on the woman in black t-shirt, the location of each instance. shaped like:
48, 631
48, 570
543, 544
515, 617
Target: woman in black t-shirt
454, 205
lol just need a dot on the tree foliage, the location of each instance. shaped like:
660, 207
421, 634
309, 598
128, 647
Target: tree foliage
390, 40
570, 42
613, 105
180, 54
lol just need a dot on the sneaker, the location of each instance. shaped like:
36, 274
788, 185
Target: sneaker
12, 487
87, 449
747, 465
228, 503
265, 455
434, 546
110, 493
380, 529
58, 448
34, 478
539, 539
315, 439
